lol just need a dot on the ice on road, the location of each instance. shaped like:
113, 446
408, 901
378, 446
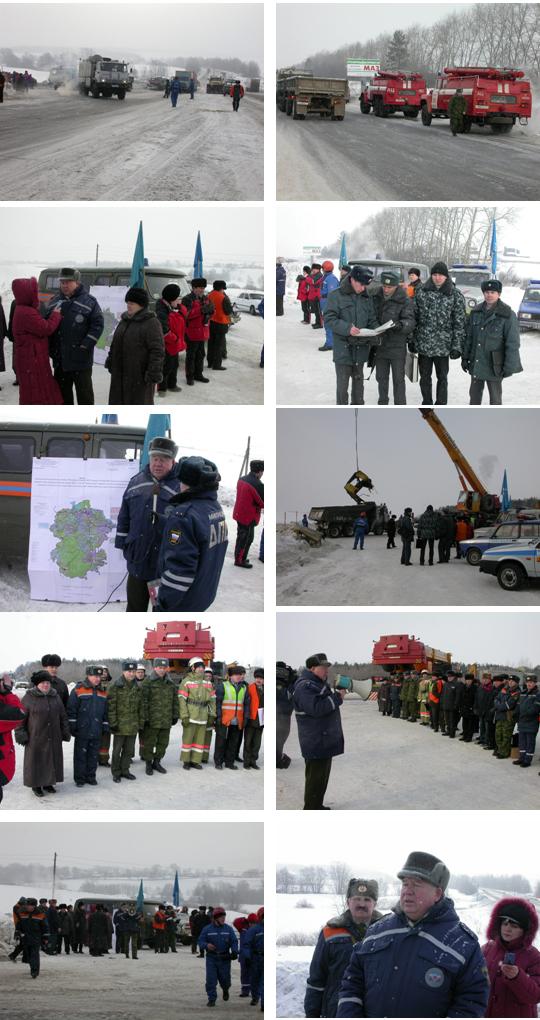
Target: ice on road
68, 147
336, 575
387, 766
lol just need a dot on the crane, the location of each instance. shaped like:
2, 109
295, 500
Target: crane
475, 497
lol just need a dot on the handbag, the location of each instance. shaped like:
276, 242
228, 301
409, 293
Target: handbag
411, 367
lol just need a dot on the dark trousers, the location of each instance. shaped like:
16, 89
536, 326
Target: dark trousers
85, 758
123, 752
315, 307
78, 945
252, 743
279, 304
306, 311
359, 537
244, 538
468, 727
227, 744
434, 711
450, 721
391, 543
159, 941
426, 366
406, 550
422, 542
67, 944
216, 343
170, 940
526, 743
476, 390
104, 746
317, 774
31, 956
170, 373
490, 732
194, 359
383, 364
445, 546
127, 938
396, 709
236, 103
137, 595
356, 374
283, 728
82, 381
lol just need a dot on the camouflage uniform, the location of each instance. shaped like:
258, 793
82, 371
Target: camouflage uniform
412, 699
126, 716
456, 109
505, 708
105, 742
404, 697
160, 706
197, 704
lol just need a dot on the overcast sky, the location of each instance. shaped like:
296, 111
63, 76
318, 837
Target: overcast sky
304, 224
469, 842
401, 454
349, 637
41, 237
191, 844
176, 29
304, 29
122, 637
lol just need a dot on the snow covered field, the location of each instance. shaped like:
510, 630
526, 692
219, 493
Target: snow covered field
306, 375
334, 575
370, 775
62, 146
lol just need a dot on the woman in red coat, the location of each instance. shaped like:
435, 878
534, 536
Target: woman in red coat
31, 334
302, 294
513, 962
11, 715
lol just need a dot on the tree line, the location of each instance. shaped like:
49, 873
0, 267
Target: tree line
334, 878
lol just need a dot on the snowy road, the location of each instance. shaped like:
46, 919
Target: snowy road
387, 764
334, 575
100, 988
372, 159
70, 148
177, 791
306, 375
242, 383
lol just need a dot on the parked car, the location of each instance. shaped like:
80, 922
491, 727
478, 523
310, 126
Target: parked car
248, 300
502, 534
513, 565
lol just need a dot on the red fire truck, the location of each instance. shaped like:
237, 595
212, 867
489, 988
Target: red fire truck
399, 652
495, 96
179, 641
392, 92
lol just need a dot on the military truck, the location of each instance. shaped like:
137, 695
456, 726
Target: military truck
302, 95
101, 76
214, 86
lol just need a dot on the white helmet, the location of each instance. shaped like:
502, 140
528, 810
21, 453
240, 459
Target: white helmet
197, 661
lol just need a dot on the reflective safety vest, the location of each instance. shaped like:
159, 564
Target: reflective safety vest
233, 703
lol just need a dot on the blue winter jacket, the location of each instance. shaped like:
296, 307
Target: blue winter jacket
281, 279
139, 530
222, 936
433, 968
192, 552
87, 711
72, 345
330, 283
361, 524
528, 710
329, 962
317, 708
253, 944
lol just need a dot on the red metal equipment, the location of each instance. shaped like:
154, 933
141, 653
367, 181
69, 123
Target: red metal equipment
398, 652
179, 641
392, 92
495, 96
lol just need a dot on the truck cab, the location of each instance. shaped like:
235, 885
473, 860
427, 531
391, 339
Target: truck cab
392, 92
529, 309
495, 97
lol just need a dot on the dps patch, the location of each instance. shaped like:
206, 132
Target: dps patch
174, 537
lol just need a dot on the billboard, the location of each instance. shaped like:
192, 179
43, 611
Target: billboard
359, 67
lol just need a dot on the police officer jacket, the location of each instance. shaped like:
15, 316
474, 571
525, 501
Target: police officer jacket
505, 706
317, 708
88, 711
139, 528
329, 962
222, 936
433, 968
528, 710
346, 308
33, 927
491, 349
72, 346
124, 921
192, 551
450, 696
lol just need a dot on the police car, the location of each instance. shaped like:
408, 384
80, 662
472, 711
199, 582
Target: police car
529, 309
510, 531
513, 565
469, 279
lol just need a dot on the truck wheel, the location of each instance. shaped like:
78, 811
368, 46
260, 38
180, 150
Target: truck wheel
365, 107
511, 576
95, 91
426, 116
121, 94
334, 530
378, 529
473, 557
501, 129
348, 530
337, 118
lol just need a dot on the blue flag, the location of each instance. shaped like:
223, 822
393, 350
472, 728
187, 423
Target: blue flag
176, 892
140, 897
343, 252
493, 248
198, 260
505, 495
109, 419
137, 266
158, 425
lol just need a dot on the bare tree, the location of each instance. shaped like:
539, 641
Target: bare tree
339, 875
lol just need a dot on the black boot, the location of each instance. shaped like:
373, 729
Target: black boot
158, 767
149, 770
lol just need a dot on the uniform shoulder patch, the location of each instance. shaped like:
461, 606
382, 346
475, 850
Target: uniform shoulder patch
174, 536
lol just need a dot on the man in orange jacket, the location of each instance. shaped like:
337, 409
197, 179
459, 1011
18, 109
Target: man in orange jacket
253, 730
219, 326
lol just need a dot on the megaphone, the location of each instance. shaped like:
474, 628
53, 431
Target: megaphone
360, 687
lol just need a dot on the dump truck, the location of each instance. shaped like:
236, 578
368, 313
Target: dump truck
254, 85
399, 652
338, 521
495, 97
101, 76
392, 92
184, 77
214, 86
302, 94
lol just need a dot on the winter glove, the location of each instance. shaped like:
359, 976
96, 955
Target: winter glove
411, 347
21, 737
234, 956
465, 365
454, 355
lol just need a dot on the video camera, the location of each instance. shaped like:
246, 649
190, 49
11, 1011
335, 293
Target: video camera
285, 674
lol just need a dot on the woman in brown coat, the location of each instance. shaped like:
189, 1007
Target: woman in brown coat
137, 352
41, 732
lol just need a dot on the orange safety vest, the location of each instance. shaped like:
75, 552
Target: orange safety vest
233, 704
158, 923
254, 701
217, 297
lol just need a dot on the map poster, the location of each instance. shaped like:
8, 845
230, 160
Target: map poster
112, 302
73, 512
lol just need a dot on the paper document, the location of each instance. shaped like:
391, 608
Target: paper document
380, 329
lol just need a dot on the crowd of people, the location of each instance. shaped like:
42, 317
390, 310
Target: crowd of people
53, 347
20, 81
45, 925
104, 717
419, 959
429, 327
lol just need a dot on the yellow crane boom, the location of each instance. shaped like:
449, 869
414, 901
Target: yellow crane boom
467, 477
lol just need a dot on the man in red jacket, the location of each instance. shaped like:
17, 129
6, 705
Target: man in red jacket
247, 511
197, 310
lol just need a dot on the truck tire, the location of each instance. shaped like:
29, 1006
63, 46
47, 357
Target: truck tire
378, 529
334, 530
121, 93
426, 116
501, 129
473, 557
365, 107
295, 115
348, 530
511, 576
337, 118
95, 91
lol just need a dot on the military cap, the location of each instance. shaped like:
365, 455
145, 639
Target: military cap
363, 887
161, 662
162, 446
128, 664
318, 659
95, 671
495, 286
531, 678
390, 279
500, 677
427, 867
69, 274
361, 274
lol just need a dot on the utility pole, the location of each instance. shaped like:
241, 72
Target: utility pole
97, 253
53, 876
